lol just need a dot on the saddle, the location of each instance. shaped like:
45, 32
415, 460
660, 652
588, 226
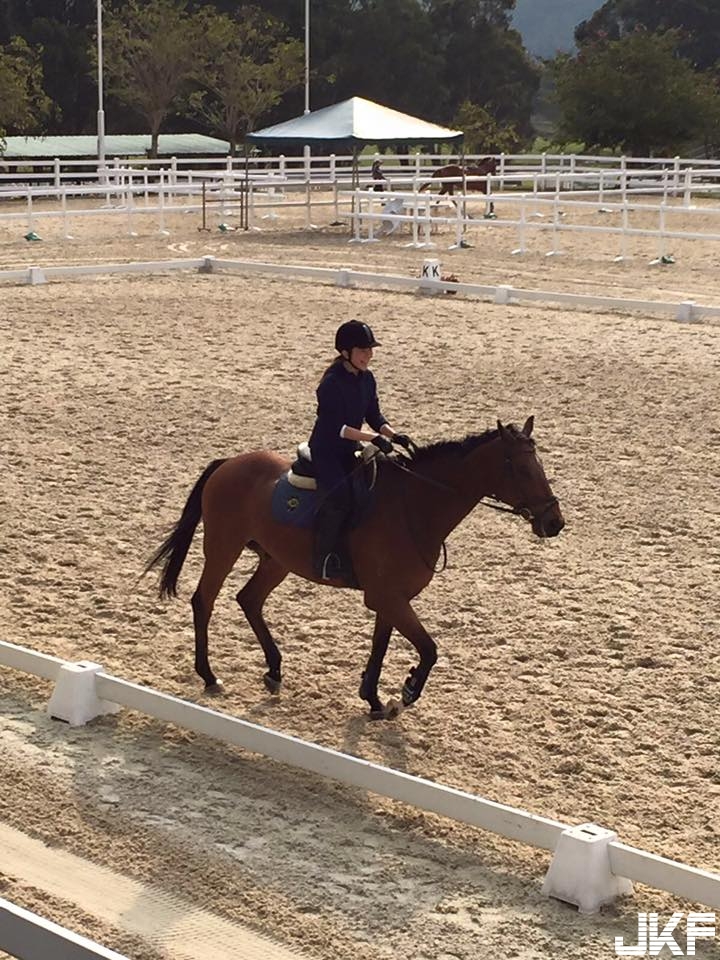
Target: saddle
302, 473
294, 497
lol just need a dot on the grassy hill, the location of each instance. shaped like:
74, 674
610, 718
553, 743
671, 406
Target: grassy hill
547, 26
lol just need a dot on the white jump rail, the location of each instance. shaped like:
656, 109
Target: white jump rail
31, 937
625, 863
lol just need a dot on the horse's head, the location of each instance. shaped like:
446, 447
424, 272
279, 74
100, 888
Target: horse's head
522, 484
489, 164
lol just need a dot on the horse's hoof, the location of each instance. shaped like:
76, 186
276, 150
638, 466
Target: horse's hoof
272, 684
215, 689
377, 713
393, 709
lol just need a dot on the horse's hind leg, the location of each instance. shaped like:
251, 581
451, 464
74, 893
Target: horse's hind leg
251, 598
217, 567
371, 675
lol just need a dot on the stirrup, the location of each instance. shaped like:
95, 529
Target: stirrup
332, 562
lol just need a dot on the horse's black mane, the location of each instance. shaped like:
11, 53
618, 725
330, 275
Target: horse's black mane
453, 448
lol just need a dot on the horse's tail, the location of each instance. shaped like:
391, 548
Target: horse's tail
175, 548
425, 186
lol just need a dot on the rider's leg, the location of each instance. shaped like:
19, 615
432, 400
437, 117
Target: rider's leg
330, 557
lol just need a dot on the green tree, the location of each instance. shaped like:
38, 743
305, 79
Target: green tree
24, 105
697, 23
151, 58
483, 134
392, 38
484, 61
64, 31
633, 93
250, 65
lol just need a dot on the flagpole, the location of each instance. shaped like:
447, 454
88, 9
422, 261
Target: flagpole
101, 110
307, 56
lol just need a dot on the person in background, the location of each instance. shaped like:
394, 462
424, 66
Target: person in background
376, 173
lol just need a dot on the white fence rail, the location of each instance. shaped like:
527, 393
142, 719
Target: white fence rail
628, 862
30, 937
681, 310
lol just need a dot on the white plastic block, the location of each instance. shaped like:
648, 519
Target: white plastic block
503, 294
207, 266
686, 311
74, 699
580, 870
430, 271
36, 275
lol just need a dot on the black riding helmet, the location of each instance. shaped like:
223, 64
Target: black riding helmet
354, 333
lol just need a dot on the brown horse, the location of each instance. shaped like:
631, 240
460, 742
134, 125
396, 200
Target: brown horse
488, 165
394, 551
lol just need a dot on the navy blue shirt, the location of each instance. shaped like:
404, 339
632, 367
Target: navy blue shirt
344, 399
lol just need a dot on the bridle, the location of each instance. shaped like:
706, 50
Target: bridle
528, 511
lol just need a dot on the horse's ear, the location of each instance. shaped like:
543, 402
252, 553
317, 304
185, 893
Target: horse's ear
529, 424
502, 431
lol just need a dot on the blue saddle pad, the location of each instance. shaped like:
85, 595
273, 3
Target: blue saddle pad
291, 505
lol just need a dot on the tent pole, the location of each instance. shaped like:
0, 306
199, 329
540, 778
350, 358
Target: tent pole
354, 179
464, 183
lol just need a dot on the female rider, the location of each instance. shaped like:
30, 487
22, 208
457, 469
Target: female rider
346, 398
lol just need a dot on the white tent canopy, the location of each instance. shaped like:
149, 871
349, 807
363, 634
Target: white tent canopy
355, 121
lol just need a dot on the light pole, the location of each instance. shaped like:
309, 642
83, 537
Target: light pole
307, 56
101, 111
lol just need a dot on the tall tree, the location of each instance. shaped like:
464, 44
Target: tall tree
150, 57
482, 132
633, 93
24, 106
697, 23
397, 33
64, 31
250, 65
484, 61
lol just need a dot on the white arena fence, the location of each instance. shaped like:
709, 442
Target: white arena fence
192, 169
684, 311
374, 216
589, 867
26, 935
140, 187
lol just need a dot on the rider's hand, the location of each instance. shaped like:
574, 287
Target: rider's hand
382, 443
402, 440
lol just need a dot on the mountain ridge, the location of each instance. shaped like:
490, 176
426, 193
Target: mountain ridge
548, 26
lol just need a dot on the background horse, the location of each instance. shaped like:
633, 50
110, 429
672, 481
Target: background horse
417, 503
488, 165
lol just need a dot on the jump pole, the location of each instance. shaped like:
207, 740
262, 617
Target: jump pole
161, 204
129, 206
66, 225
522, 223
623, 235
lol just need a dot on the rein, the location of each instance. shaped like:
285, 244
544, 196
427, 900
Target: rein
526, 511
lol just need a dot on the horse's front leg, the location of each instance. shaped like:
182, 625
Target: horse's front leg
402, 616
371, 675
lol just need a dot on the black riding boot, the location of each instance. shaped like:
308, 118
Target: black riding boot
330, 557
